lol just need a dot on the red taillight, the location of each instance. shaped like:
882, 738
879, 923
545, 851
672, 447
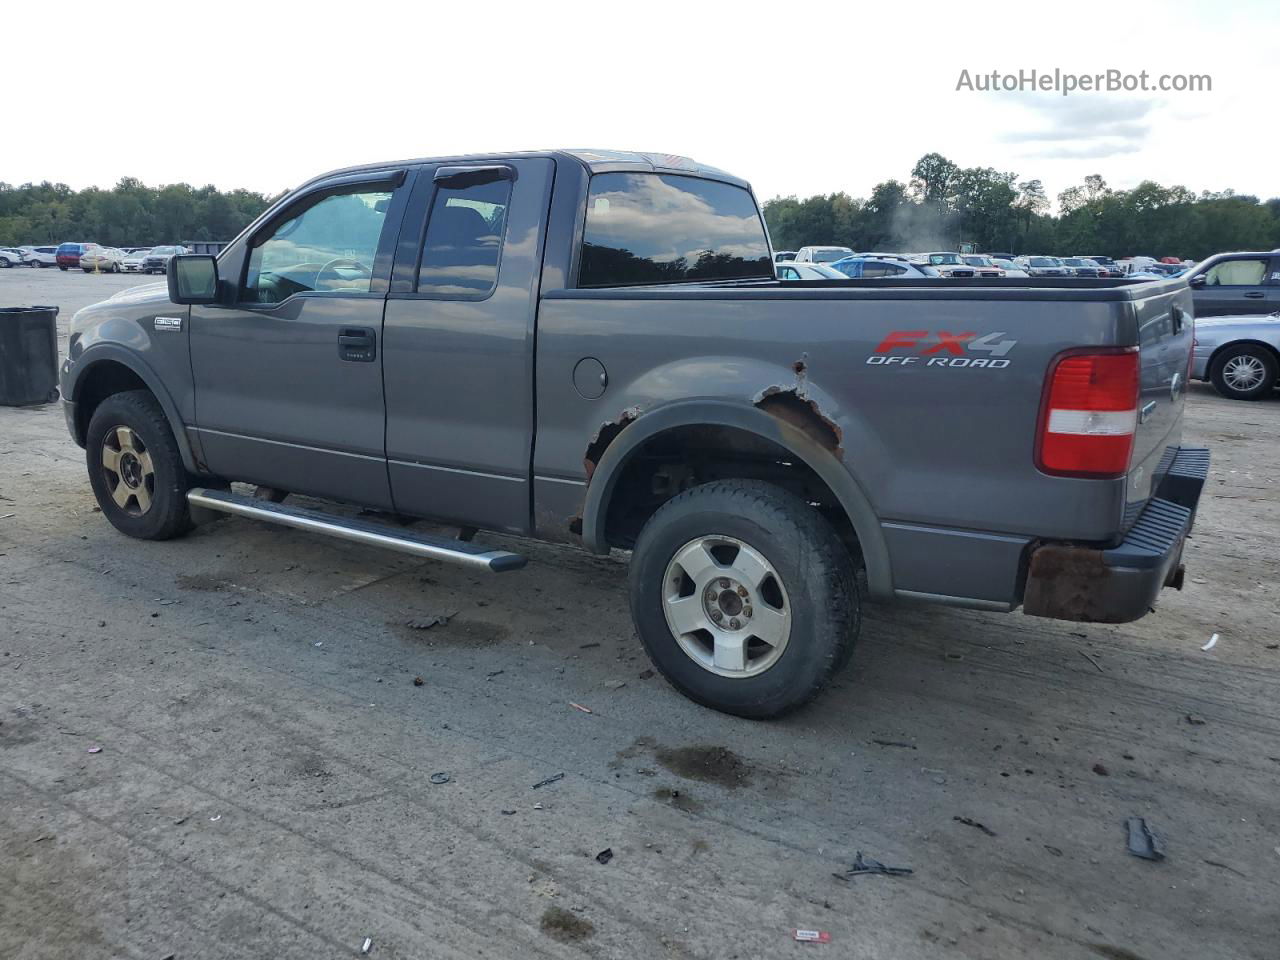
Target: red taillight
1090, 414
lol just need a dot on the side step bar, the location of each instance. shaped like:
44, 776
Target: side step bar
358, 531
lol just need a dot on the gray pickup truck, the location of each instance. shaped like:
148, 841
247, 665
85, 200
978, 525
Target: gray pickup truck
591, 347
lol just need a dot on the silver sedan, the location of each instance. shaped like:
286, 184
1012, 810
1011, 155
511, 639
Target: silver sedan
1239, 355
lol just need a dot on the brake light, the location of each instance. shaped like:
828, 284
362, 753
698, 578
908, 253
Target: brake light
1090, 414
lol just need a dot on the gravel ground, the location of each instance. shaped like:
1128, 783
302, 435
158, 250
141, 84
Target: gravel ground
266, 779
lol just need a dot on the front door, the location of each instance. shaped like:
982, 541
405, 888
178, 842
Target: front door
459, 343
288, 379
1234, 286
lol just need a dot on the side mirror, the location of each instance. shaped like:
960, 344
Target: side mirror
193, 278
1196, 281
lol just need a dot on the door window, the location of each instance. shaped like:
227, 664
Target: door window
1236, 273
327, 245
463, 243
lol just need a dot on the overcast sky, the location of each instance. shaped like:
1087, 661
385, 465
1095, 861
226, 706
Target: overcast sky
798, 98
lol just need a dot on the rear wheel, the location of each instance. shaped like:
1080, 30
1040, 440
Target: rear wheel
744, 597
1246, 372
135, 467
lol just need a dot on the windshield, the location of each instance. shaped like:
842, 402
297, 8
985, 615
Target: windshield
1043, 262
1074, 262
829, 255
977, 261
945, 259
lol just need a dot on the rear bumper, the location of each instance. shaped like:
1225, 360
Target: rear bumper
1121, 583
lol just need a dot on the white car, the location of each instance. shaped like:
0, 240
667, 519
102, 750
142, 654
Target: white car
132, 262
947, 264
808, 271
822, 254
10, 257
102, 260
984, 265
1010, 268
40, 256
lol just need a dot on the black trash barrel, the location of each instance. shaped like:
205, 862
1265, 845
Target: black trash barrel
28, 355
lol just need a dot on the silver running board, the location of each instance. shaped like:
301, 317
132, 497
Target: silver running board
358, 531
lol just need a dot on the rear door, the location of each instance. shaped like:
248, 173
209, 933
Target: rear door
458, 357
288, 379
1237, 285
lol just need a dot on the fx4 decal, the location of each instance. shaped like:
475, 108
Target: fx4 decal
942, 348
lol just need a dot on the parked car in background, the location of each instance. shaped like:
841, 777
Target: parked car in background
1239, 355
1043, 266
102, 260
1104, 263
1010, 268
1236, 283
1173, 260
984, 265
947, 264
10, 257
1000, 256
808, 271
782, 256
822, 254
870, 267
39, 256
1081, 267
67, 256
134, 259
157, 260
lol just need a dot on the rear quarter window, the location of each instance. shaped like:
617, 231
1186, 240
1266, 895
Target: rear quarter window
645, 228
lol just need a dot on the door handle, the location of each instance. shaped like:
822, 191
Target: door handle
1255, 294
356, 344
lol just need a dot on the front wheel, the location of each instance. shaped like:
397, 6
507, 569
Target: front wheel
1246, 372
135, 467
744, 597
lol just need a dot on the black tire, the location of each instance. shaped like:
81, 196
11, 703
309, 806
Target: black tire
5, 264
61, 267
1226, 379
817, 582
167, 515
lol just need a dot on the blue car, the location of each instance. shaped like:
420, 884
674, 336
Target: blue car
867, 267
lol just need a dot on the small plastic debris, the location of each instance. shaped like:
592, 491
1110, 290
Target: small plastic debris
970, 822
95, 750
1142, 841
578, 706
1100, 770
537, 806
894, 743
440, 777
426, 623
180, 821
367, 945
418, 681
811, 936
548, 781
1213, 642
508, 813
1195, 721
605, 855
864, 865
215, 819
614, 684
318, 643
1091, 660
588, 646
494, 673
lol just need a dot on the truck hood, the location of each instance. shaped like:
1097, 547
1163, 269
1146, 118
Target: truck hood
142, 292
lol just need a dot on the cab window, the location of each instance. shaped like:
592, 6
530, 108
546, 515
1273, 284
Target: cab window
463, 242
327, 244
1236, 273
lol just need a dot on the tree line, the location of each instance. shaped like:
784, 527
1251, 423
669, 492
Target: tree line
128, 214
943, 205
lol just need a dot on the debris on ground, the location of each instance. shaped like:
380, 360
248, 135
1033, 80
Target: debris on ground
215, 819
894, 743
1227, 867
1100, 770
1091, 660
578, 706
566, 926
440, 777
548, 781
1143, 842
1195, 720
646, 674
1213, 642
588, 646
614, 684
970, 822
508, 813
95, 750
434, 620
180, 821
494, 673
605, 855
864, 865
811, 936
418, 681
1057, 852
367, 945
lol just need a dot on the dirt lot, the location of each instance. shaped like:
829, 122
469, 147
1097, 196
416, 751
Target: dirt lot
265, 781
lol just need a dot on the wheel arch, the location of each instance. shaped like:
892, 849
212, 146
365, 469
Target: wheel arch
107, 369
801, 440
1249, 342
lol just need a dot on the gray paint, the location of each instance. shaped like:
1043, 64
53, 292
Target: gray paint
472, 413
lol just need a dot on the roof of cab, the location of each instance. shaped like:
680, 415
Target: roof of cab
596, 161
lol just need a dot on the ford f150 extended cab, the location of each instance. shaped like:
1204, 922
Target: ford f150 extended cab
591, 347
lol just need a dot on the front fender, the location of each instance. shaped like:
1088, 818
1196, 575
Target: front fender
75, 375
715, 412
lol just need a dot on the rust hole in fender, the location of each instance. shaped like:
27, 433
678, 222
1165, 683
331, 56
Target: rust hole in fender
607, 433
789, 406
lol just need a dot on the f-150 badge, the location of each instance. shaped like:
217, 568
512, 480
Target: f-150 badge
173, 324
942, 348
